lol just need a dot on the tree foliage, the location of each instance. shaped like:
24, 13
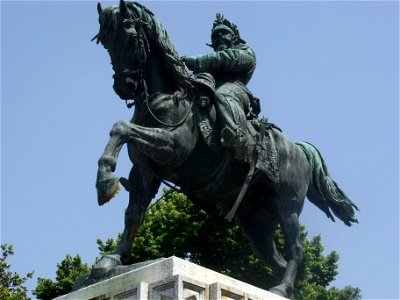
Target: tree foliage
174, 226
68, 271
11, 284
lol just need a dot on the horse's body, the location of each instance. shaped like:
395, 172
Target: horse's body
165, 143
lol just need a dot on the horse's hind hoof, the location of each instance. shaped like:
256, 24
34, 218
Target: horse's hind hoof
280, 290
105, 265
107, 189
102, 270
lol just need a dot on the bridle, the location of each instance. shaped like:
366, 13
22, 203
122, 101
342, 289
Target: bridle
136, 46
132, 74
139, 49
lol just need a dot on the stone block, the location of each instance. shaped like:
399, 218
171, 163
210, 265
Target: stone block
171, 279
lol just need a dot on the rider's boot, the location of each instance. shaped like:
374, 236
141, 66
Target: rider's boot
237, 142
233, 123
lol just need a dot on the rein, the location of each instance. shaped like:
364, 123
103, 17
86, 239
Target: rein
123, 74
166, 124
129, 105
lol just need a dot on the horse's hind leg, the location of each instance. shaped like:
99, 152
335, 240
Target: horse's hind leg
259, 225
289, 221
141, 192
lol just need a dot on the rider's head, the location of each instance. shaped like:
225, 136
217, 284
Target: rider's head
224, 34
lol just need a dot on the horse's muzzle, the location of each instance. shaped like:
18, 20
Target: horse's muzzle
125, 88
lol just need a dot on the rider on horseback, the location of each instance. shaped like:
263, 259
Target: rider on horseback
232, 64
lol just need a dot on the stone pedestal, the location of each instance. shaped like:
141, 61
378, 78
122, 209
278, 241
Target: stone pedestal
171, 279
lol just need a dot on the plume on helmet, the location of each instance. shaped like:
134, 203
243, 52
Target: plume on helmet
222, 23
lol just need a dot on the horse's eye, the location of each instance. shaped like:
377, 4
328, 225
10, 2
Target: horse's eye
132, 31
128, 23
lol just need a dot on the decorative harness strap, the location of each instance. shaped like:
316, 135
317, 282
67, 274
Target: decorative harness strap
250, 174
169, 124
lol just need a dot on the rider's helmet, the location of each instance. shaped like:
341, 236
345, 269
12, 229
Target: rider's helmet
224, 25
206, 80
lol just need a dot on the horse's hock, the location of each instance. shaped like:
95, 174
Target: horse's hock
171, 279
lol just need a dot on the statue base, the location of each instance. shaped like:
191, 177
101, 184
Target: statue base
169, 279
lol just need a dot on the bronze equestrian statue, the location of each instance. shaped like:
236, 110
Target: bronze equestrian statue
175, 136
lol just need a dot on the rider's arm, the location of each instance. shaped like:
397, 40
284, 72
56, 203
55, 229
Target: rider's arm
231, 60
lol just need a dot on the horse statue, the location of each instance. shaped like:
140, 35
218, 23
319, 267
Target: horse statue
166, 143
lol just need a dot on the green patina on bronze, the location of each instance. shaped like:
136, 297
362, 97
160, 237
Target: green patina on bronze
200, 131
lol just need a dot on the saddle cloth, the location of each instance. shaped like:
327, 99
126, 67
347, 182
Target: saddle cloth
267, 158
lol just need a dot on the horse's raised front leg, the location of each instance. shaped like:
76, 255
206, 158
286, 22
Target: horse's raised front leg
160, 145
106, 183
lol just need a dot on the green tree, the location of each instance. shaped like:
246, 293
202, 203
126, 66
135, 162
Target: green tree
68, 271
174, 226
11, 284
348, 293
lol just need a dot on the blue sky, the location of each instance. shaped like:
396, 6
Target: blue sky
327, 73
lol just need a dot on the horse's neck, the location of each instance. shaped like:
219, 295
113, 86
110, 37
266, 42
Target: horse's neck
155, 75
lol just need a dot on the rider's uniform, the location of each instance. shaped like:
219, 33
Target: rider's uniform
232, 69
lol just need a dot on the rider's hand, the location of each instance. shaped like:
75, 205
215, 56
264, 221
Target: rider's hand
190, 62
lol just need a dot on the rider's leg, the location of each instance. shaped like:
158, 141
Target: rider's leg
231, 103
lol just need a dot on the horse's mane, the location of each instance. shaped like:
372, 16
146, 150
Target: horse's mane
159, 37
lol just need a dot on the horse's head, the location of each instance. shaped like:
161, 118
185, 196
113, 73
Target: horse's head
121, 33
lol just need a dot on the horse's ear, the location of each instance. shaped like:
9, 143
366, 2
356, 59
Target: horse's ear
99, 8
122, 7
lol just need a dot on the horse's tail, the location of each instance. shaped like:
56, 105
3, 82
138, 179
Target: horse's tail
324, 192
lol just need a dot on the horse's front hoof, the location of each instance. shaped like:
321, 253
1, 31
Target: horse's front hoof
106, 263
280, 290
107, 189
